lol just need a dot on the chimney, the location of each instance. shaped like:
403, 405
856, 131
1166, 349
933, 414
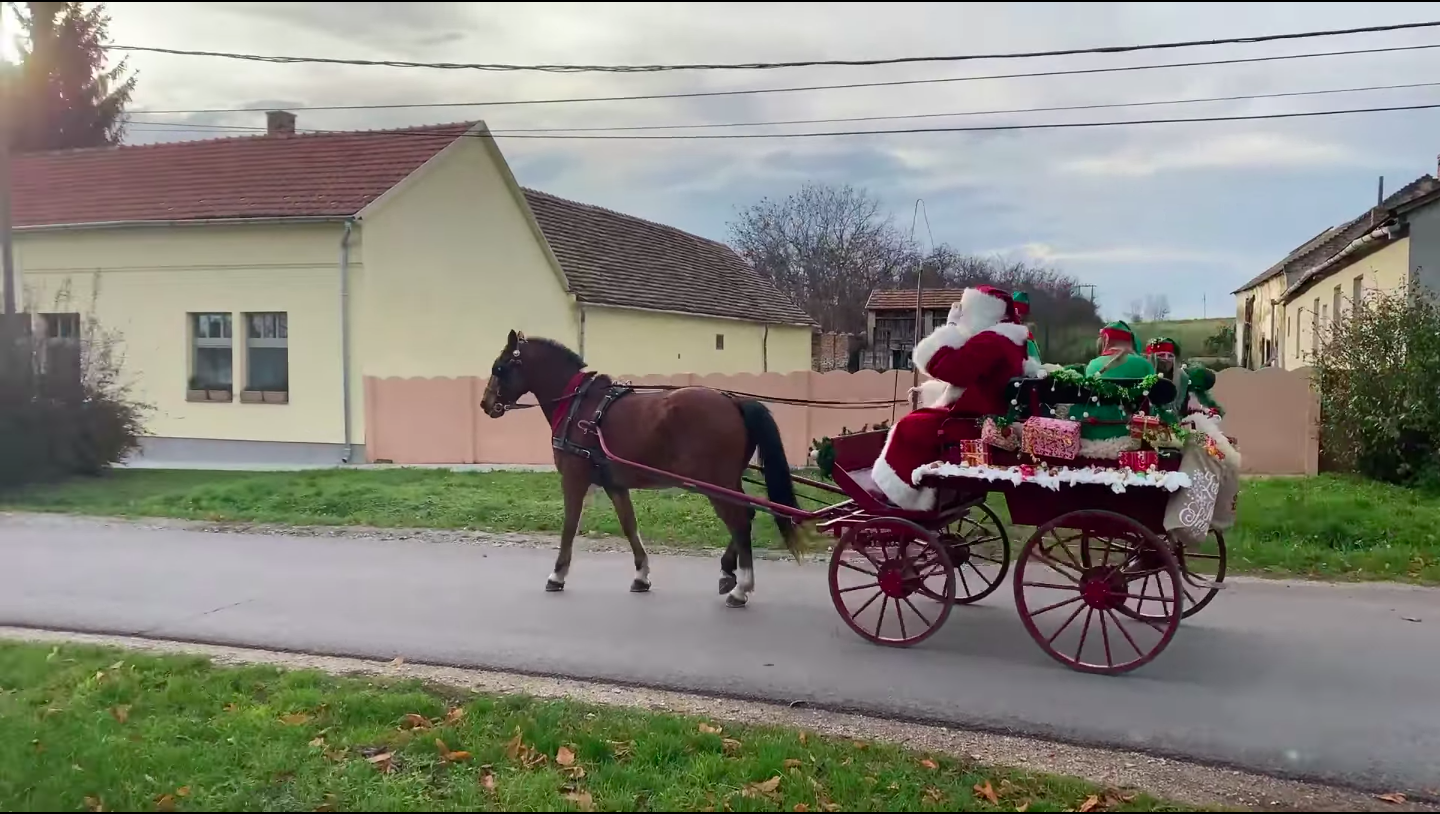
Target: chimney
279, 123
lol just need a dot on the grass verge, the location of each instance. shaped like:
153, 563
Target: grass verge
98, 729
1325, 527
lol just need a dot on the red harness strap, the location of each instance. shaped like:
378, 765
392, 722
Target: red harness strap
562, 404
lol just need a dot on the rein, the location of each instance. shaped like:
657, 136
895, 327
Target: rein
665, 388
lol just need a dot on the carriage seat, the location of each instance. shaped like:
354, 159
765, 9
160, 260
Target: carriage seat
863, 479
1038, 397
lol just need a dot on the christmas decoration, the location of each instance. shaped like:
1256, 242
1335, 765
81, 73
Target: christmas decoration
1052, 478
974, 453
1140, 460
1051, 438
1000, 433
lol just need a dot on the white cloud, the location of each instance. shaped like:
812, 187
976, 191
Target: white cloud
1045, 253
1231, 152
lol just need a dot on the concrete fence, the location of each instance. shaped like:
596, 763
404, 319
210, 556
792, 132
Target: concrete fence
1272, 413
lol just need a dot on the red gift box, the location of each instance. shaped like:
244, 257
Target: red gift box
1139, 461
997, 436
974, 453
1149, 428
1051, 438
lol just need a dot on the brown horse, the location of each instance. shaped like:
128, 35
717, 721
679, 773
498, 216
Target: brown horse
695, 433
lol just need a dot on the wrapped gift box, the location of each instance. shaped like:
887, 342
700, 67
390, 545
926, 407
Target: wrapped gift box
1051, 438
1149, 428
975, 453
1005, 437
1139, 461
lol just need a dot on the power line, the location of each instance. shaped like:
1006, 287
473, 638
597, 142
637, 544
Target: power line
806, 88
852, 119
723, 66
900, 131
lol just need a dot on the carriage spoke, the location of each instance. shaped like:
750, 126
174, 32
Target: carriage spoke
981, 574
1143, 586
900, 613
1057, 633
922, 616
868, 603
844, 564
880, 623
1059, 604
1084, 631
1162, 599
961, 573
1126, 633
1105, 636
859, 587
1057, 566
1050, 585
990, 560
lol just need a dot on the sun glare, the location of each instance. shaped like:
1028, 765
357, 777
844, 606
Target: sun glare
9, 31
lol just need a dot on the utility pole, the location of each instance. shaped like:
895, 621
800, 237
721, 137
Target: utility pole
1091, 288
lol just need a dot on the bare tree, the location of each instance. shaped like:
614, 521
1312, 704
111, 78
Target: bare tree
1135, 312
1157, 307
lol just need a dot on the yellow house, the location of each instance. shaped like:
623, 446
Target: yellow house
1282, 314
255, 283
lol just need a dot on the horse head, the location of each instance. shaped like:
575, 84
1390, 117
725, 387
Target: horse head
507, 378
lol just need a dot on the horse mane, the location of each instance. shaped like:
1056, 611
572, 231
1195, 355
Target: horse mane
558, 347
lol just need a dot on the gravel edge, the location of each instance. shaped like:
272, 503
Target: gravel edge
1167, 779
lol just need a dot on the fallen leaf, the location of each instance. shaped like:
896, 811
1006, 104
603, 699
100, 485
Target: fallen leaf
383, 761
117, 665
330, 802
564, 757
183, 791
934, 795
487, 778
575, 772
582, 800
987, 791
397, 661
710, 730
1394, 797
54, 651
732, 746
929, 764
515, 745
1089, 805
121, 713
792, 763
100, 676
231, 707
318, 742
94, 804
801, 807
861, 745
295, 719
534, 760
454, 715
414, 720
449, 756
165, 802
1023, 807
804, 738
621, 749
765, 789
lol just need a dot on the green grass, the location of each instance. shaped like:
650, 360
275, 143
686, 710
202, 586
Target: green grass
1329, 527
94, 729
1190, 333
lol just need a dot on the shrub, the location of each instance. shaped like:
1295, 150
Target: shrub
64, 409
1378, 376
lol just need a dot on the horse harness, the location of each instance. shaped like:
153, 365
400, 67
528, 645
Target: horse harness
575, 394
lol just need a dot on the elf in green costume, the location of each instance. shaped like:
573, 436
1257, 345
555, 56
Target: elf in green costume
1105, 428
1164, 353
1022, 315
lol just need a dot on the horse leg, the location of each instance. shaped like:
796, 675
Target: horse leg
738, 519
625, 510
574, 484
727, 568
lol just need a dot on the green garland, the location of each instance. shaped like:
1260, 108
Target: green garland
825, 447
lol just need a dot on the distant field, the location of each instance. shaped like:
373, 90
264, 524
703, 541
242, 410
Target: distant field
1190, 333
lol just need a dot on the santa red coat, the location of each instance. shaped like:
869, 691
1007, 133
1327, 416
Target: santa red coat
976, 365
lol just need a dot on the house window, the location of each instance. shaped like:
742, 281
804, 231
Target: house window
1357, 291
1335, 303
212, 363
1315, 327
61, 326
719, 341
267, 358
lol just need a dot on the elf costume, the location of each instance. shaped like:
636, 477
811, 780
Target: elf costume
1105, 428
1022, 316
1164, 353
973, 356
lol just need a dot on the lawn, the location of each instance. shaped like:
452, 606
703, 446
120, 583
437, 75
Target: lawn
1328, 527
105, 730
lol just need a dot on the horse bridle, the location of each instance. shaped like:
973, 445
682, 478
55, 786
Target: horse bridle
503, 369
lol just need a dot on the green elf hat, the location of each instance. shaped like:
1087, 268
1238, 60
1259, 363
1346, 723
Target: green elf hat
1200, 380
1162, 344
1119, 331
1022, 305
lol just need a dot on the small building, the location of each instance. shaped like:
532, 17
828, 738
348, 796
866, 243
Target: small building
1282, 313
256, 283
890, 324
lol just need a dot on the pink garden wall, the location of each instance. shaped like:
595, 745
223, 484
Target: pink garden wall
1272, 413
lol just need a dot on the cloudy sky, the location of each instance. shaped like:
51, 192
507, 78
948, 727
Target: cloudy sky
1186, 210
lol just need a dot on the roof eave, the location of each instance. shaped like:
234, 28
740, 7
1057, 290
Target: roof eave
588, 303
270, 220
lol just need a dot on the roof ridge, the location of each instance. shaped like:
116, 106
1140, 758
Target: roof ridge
252, 137
627, 216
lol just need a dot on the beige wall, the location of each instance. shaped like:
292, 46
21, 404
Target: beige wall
453, 266
142, 283
1272, 413
1265, 322
1385, 270
664, 343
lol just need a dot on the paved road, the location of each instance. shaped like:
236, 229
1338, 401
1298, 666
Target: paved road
1319, 682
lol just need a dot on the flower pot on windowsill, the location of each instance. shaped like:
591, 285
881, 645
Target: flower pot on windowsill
265, 397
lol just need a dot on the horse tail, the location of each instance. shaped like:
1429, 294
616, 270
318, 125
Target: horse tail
762, 433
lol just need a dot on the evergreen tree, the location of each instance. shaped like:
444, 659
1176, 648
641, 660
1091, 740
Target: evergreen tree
67, 97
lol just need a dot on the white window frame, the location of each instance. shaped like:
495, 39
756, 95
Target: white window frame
199, 339
279, 328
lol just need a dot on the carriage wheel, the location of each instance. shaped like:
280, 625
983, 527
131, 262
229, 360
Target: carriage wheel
892, 581
979, 548
1207, 561
1054, 589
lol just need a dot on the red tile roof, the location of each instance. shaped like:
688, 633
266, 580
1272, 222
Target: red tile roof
888, 299
608, 258
311, 175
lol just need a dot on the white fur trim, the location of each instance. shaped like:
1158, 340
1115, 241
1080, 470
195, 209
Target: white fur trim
1018, 334
1107, 448
1210, 426
1034, 370
980, 309
946, 336
1117, 479
936, 393
900, 493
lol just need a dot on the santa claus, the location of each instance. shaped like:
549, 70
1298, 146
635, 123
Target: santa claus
970, 359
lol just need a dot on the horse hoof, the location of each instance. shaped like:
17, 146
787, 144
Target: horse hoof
551, 586
727, 583
732, 602
639, 587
